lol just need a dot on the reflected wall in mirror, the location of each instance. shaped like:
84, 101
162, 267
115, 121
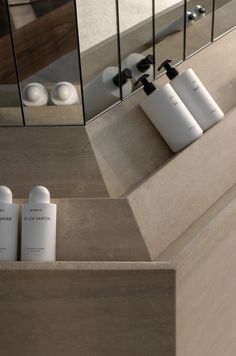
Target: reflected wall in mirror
225, 16
46, 44
97, 21
136, 42
169, 26
10, 105
199, 28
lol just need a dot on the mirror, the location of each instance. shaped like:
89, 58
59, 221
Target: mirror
169, 26
136, 43
225, 16
97, 21
10, 105
199, 29
77, 58
46, 45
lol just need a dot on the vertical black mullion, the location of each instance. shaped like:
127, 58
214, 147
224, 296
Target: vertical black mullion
15, 62
118, 44
213, 20
185, 30
79, 56
153, 37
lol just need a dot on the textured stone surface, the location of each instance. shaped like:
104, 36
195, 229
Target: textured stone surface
87, 313
61, 158
177, 195
98, 230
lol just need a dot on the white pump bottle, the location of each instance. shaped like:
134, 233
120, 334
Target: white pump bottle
8, 225
169, 115
39, 227
194, 95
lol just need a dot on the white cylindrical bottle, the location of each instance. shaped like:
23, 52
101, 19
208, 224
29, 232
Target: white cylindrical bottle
194, 95
39, 227
170, 116
139, 65
8, 226
104, 90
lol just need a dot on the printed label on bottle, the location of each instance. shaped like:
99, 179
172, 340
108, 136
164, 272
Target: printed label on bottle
196, 85
173, 100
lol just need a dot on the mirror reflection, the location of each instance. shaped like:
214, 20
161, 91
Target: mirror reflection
45, 37
97, 21
10, 106
169, 26
198, 32
225, 18
136, 42
69, 49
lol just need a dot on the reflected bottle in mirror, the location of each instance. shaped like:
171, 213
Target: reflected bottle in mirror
105, 90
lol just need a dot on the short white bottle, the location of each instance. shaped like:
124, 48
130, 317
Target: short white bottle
9, 213
39, 227
194, 95
35, 94
169, 115
64, 93
139, 65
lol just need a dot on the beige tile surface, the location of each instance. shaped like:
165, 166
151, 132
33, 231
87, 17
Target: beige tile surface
206, 289
127, 146
98, 230
178, 194
87, 313
61, 158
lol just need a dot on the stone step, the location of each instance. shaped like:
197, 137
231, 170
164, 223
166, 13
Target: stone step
97, 230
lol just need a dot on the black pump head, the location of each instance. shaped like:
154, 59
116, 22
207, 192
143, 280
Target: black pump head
171, 72
148, 87
145, 63
122, 78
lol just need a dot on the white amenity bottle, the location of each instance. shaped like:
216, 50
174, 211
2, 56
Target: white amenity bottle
39, 227
169, 115
8, 226
194, 95
139, 65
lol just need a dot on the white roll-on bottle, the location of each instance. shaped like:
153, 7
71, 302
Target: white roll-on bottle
64, 93
35, 94
169, 115
194, 95
39, 227
139, 65
8, 226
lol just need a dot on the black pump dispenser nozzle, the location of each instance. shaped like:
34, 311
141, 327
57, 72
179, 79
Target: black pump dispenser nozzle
148, 87
145, 63
171, 72
123, 77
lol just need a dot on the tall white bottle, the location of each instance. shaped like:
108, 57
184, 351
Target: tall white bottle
8, 226
104, 90
170, 116
39, 227
194, 95
139, 65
